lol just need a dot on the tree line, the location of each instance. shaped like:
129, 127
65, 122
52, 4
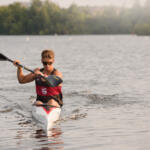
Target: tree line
44, 18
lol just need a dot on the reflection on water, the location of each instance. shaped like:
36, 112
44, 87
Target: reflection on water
54, 132
51, 141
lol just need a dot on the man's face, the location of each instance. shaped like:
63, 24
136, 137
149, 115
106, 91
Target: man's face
47, 63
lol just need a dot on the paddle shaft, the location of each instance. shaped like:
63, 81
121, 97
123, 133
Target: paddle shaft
20, 65
3, 57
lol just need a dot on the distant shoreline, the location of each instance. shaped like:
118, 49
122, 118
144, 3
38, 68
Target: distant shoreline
47, 18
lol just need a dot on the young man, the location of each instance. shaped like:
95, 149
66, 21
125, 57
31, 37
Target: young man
45, 94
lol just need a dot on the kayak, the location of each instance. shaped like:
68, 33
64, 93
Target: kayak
46, 115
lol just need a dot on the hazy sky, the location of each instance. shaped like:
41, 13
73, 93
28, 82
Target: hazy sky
66, 3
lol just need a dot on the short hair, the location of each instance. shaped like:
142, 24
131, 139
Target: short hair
47, 54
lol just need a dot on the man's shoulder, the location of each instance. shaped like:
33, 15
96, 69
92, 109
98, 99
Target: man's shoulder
58, 73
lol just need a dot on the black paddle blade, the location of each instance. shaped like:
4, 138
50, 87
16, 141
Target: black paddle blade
2, 57
54, 80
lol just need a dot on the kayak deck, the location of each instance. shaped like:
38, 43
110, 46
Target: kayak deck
46, 115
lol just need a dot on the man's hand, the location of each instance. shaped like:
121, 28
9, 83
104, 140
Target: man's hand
37, 72
16, 62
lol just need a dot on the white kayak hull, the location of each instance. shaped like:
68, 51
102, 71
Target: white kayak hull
46, 116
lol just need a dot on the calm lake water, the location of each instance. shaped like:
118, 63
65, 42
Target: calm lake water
106, 93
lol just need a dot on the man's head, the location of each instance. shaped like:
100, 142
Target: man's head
47, 58
47, 54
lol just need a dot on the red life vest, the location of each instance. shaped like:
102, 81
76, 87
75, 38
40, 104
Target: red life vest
45, 92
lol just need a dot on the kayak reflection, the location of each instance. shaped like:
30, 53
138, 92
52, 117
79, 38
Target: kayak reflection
54, 132
51, 141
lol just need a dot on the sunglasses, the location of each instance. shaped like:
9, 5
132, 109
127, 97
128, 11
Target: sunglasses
47, 63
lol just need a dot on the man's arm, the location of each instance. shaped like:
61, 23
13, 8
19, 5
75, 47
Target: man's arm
21, 77
24, 78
